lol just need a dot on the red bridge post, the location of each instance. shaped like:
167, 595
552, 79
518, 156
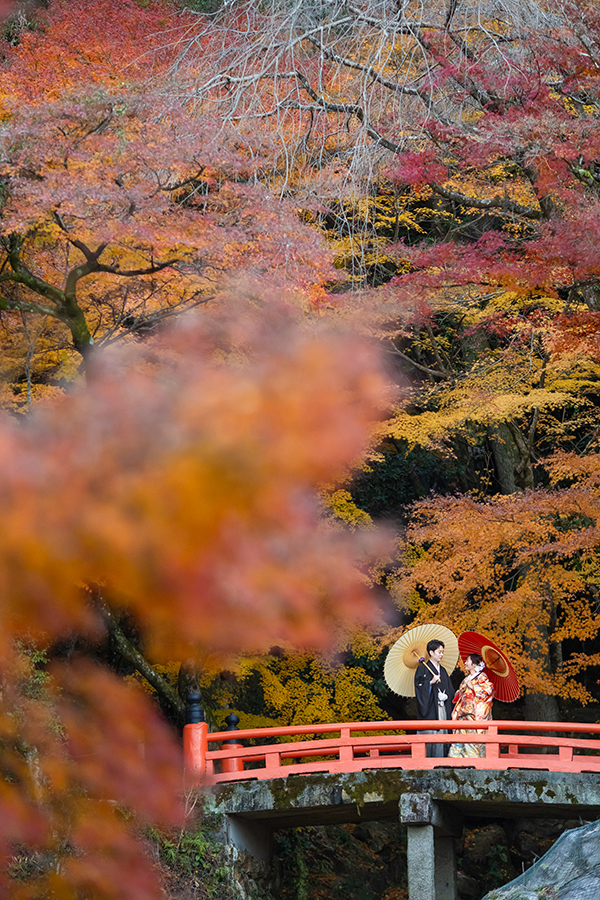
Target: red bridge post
195, 739
232, 765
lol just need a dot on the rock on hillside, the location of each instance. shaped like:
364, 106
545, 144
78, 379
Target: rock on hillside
570, 870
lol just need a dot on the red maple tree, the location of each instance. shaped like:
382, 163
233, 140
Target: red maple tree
122, 208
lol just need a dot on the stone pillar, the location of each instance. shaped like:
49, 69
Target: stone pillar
430, 849
420, 857
445, 869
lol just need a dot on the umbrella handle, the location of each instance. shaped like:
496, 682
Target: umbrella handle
435, 674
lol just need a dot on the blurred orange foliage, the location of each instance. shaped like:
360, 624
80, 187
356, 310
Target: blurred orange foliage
182, 481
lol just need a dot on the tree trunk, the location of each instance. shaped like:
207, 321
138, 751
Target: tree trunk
473, 344
167, 694
512, 458
506, 456
541, 708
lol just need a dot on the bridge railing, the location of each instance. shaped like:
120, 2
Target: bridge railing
350, 747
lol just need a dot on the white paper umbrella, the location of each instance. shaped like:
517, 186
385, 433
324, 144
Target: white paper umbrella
410, 649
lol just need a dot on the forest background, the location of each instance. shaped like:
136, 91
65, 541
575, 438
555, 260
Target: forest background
299, 347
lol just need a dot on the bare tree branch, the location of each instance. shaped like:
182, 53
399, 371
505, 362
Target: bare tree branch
434, 373
503, 203
129, 652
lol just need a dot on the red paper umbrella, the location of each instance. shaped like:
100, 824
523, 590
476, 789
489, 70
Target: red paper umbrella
498, 668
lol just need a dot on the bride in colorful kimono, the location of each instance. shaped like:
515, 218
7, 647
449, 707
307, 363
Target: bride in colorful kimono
474, 702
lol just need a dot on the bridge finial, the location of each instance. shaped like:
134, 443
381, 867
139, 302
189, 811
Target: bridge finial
194, 713
232, 764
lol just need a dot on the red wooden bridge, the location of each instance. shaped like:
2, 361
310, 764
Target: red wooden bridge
265, 753
537, 769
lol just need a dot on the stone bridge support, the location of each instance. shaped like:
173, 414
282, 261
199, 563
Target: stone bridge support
431, 804
431, 829
249, 837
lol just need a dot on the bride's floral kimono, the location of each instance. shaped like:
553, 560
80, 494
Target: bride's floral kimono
473, 701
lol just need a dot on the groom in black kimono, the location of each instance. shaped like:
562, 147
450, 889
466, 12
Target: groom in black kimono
434, 692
